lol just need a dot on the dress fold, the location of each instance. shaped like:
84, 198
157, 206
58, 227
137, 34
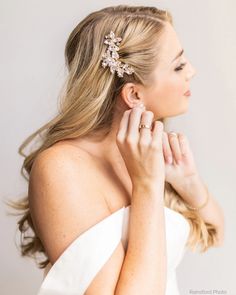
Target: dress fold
78, 265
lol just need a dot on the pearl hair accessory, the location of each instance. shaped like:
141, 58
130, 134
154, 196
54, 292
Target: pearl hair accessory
110, 57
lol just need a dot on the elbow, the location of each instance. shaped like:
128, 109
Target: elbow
215, 235
220, 231
220, 238
220, 234
219, 242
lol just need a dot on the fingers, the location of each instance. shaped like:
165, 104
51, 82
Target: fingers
184, 145
157, 135
175, 144
145, 133
166, 148
133, 123
123, 127
130, 132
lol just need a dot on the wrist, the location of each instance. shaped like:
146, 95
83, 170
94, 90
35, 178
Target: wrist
147, 184
199, 206
149, 190
189, 185
194, 192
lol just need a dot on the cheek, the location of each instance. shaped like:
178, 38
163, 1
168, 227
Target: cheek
168, 97
171, 90
174, 86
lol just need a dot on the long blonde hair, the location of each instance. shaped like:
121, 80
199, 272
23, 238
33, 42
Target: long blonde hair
88, 100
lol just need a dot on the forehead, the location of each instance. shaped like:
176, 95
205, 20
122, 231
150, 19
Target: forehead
170, 46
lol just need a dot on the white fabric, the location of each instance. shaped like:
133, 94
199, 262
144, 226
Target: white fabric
78, 265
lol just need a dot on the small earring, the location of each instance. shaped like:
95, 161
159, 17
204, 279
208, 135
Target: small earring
141, 105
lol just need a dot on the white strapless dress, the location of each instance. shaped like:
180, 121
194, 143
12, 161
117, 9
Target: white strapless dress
78, 265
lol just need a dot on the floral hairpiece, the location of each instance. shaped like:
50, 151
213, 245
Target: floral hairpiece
111, 56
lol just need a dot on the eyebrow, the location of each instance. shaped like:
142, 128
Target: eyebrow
178, 55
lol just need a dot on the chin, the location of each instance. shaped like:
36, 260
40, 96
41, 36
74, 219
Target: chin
183, 111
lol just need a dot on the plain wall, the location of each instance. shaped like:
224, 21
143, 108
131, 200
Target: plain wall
33, 36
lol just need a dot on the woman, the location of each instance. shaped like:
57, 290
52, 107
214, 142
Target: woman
113, 199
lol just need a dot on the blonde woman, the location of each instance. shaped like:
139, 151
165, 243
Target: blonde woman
114, 200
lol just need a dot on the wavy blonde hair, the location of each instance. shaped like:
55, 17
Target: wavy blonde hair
88, 100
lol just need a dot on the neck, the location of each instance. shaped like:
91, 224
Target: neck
104, 146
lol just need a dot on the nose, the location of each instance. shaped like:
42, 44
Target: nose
191, 72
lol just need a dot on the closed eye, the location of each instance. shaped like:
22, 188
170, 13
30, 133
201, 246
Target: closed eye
180, 67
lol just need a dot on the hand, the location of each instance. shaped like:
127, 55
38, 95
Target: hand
142, 149
183, 167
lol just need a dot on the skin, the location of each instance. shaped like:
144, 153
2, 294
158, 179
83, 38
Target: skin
164, 98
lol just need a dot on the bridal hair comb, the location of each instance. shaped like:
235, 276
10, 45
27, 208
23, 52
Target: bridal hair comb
111, 56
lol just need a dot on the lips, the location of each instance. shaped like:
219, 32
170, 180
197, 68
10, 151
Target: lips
187, 93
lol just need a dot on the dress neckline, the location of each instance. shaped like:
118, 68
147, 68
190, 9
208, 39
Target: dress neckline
112, 215
167, 209
128, 207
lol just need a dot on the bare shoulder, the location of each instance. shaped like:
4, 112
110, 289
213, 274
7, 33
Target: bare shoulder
63, 203
59, 158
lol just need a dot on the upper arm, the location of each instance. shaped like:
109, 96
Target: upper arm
64, 204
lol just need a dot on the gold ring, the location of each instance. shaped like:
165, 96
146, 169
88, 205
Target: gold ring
144, 126
172, 132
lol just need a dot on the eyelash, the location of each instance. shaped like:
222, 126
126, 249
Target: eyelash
180, 67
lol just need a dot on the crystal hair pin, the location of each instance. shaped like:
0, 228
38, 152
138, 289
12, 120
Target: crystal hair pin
111, 56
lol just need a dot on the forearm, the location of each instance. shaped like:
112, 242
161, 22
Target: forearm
144, 267
195, 192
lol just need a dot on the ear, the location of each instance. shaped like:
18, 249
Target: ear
131, 94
